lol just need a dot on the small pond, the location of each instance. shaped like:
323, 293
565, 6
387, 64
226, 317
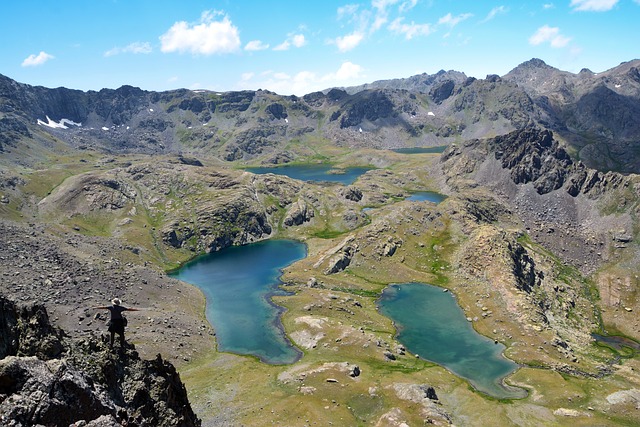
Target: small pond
421, 150
430, 196
617, 342
430, 323
238, 283
314, 172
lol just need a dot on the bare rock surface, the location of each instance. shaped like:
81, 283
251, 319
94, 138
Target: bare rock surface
49, 379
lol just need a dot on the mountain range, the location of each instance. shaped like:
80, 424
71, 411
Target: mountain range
596, 115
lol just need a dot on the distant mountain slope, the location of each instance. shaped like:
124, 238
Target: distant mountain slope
423, 83
597, 115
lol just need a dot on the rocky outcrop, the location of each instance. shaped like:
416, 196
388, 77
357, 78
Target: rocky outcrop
240, 220
299, 213
342, 259
90, 192
442, 91
532, 155
368, 105
46, 380
26, 331
351, 193
277, 110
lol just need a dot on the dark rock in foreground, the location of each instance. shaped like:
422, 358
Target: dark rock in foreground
46, 380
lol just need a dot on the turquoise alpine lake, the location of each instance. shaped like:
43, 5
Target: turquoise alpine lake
238, 283
430, 323
314, 172
430, 196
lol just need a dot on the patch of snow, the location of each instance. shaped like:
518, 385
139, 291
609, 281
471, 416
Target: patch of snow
62, 124
617, 86
189, 127
151, 110
360, 130
105, 128
204, 124
127, 127
286, 120
430, 113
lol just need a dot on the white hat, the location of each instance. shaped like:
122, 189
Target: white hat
116, 301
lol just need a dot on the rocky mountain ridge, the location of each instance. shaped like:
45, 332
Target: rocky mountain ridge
595, 114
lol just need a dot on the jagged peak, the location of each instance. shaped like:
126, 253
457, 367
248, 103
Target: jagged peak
532, 64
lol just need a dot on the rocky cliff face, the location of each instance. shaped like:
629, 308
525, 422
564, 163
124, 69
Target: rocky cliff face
596, 113
47, 379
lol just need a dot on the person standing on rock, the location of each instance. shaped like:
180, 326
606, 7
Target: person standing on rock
118, 321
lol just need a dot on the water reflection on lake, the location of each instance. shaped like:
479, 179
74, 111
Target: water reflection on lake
238, 283
430, 323
314, 172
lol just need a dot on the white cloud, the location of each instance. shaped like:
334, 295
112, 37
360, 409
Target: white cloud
297, 40
255, 45
207, 37
452, 21
593, 5
498, 10
305, 81
348, 70
35, 60
410, 30
547, 6
282, 76
549, 34
285, 45
349, 41
135, 48
347, 10
407, 5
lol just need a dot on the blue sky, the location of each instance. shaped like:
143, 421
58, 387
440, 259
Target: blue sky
296, 47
